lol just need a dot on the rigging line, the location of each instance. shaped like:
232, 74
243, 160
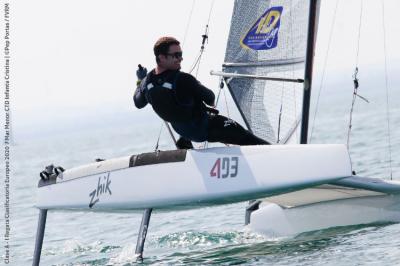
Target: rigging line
159, 135
387, 91
293, 69
205, 38
280, 113
359, 33
195, 62
198, 64
210, 12
279, 124
171, 133
219, 93
198, 59
324, 67
221, 86
226, 105
293, 85
188, 22
355, 79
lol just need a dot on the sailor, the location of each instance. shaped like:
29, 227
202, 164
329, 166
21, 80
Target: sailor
179, 98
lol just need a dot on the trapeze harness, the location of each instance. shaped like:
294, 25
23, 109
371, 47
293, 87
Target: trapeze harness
183, 115
161, 94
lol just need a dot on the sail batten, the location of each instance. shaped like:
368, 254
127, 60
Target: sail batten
265, 64
240, 75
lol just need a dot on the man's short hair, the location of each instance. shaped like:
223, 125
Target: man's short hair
162, 45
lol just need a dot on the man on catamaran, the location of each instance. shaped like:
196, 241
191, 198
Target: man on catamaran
179, 98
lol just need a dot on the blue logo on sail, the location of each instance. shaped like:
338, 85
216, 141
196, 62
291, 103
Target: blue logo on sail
263, 35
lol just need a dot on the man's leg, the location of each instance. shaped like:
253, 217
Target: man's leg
225, 130
184, 143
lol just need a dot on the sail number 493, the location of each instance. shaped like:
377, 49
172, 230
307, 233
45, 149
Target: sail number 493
225, 167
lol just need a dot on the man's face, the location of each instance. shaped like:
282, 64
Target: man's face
172, 60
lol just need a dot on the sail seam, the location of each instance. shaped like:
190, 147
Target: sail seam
267, 63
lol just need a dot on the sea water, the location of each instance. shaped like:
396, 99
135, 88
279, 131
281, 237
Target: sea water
214, 235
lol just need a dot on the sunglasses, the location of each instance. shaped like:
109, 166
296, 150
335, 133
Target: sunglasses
177, 55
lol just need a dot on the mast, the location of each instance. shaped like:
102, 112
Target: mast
308, 70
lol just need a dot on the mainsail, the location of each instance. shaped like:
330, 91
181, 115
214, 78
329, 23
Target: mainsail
268, 39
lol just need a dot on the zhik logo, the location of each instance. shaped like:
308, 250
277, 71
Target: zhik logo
103, 186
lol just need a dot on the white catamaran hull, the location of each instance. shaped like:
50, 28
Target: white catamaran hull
326, 206
194, 178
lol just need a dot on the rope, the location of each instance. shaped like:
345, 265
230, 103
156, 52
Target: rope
158, 139
293, 76
226, 105
280, 113
355, 95
205, 38
387, 92
170, 132
196, 62
189, 22
209, 13
324, 68
355, 79
359, 33
221, 86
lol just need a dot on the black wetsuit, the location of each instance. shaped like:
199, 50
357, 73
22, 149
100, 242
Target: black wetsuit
179, 98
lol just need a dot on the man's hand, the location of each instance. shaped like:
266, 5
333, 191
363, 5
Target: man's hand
141, 73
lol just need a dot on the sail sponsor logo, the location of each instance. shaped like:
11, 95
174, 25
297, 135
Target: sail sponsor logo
225, 167
263, 35
102, 189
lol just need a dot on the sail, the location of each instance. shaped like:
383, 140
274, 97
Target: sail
268, 39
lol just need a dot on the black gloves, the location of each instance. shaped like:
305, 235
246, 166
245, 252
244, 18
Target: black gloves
141, 73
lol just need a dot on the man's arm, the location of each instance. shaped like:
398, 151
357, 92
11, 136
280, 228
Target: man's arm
139, 97
205, 94
199, 91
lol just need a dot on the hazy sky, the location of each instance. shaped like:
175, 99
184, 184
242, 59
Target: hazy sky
75, 58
